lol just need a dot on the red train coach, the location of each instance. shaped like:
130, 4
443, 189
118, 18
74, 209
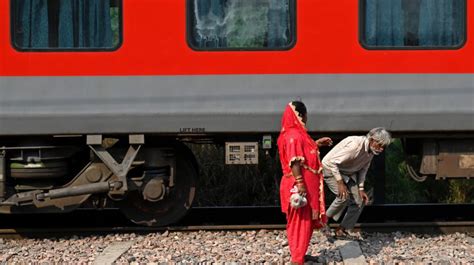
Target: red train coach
77, 76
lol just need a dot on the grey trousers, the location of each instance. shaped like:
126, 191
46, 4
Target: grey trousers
353, 203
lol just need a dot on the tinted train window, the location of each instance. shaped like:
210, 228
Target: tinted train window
66, 24
241, 24
413, 23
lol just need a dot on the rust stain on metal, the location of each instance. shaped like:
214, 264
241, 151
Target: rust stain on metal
466, 161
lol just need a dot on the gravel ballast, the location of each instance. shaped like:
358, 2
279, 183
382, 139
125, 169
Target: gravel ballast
263, 246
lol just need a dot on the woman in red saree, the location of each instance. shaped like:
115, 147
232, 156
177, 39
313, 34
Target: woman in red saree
299, 156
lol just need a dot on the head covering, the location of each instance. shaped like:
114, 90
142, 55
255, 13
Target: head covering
292, 125
291, 119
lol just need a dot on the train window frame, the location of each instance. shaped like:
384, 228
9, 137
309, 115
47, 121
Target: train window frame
79, 49
289, 46
362, 20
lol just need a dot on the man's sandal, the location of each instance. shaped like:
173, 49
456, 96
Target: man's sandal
340, 233
309, 258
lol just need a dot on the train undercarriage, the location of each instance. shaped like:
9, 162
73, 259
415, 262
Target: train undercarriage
151, 180
151, 184
441, 158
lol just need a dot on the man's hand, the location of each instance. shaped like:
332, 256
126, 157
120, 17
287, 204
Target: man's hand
324, 141
301, 189
363, 195
341, 187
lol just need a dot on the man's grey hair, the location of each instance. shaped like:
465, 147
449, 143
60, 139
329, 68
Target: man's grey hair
380, 135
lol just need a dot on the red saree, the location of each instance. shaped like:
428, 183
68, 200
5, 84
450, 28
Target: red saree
294, 144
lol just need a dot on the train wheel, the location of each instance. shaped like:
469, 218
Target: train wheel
175, 205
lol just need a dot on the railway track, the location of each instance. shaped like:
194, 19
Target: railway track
421, 218
414, 227
257, 233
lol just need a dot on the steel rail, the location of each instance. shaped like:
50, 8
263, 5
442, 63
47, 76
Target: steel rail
415, 227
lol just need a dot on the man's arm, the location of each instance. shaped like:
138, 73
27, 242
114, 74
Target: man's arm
360, 182
361, 175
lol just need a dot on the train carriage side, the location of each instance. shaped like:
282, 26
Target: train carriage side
150, 74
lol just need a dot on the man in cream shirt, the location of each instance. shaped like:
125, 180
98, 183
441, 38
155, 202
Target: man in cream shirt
345, 168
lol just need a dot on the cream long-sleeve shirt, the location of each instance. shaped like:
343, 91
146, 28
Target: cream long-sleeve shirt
350, 158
